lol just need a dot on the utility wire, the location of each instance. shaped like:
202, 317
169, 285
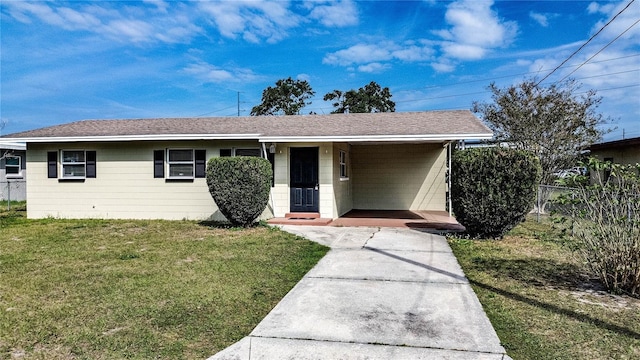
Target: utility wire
599, 51
587, 42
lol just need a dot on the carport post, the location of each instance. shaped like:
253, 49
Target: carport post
449, 177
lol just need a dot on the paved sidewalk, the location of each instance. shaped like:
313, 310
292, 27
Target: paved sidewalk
380, 293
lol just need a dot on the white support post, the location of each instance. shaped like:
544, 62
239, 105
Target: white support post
449, 178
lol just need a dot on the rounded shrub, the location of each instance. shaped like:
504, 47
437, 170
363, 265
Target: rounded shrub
493, 189
240, 187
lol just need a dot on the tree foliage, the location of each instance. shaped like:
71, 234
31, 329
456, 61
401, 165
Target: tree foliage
603, 216
240, 186
493, 189
552, 122
367, 99
288, 97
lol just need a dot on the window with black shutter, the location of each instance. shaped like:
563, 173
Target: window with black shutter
52, 164
158, 163
201, 163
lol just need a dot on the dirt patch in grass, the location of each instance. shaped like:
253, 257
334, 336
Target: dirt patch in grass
542, 303
139, 289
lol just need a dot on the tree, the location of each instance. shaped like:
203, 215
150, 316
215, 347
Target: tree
551, 122
287, 97
370, 98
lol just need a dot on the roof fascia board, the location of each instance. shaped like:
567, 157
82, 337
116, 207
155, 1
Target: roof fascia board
377, 138
158, 137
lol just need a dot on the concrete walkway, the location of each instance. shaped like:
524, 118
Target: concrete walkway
380, 293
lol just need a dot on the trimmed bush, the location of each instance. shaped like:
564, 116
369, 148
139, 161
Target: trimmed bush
240, 187
493, 189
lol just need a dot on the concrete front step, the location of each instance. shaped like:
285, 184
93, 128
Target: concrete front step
304, 221
302, 215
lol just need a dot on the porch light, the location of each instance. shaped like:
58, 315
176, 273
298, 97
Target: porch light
272, 148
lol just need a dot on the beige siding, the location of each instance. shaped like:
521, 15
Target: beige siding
627, 155
124, 187
343, 199
399, 177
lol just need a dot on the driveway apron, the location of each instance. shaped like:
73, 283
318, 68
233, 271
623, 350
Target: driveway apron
380, 293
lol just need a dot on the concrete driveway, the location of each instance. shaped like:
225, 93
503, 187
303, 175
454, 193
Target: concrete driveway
380, 293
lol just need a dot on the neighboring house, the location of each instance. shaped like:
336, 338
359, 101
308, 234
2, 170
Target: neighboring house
625, 151
13, 172
325, 164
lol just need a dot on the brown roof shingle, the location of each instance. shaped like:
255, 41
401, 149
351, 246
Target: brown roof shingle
450, 122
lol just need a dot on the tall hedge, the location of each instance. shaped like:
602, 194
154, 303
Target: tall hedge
493, 189
240, 187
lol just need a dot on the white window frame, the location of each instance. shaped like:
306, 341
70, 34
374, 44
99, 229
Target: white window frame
192, 163
344, 170
64, 163
259, 150
8, 175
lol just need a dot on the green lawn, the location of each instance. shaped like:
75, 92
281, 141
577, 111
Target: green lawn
540, 301
96, 289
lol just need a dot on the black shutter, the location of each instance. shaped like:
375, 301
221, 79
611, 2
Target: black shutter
158, 163
91, 164
201, 163
225, 152
52, 164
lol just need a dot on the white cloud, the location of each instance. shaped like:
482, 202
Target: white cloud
215, 74
474, 30
463, 51
376, 57
443, 66
334, 14
131, 25
373, 67
252, 20
626, 19
541, 19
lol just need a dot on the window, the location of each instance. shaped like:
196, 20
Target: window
76, 164
343, 165
249, 152
181, 163
12, 165
257, 152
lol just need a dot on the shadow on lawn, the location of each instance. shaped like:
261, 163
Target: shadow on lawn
558, 310
536, 272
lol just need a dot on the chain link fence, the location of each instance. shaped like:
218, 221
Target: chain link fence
544, 203
13, 190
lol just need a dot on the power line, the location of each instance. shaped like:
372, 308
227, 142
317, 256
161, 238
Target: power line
587, 42
599, 51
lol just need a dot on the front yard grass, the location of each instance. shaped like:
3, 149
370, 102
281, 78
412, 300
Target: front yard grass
540, 301
98, 289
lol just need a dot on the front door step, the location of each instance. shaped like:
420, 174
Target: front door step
302, 215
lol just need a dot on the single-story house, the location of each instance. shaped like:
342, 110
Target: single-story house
626, 151
323, 164
13, 172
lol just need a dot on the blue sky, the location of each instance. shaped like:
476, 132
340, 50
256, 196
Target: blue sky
64, 61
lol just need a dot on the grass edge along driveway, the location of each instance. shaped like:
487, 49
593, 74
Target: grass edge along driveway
542, 303
105, 289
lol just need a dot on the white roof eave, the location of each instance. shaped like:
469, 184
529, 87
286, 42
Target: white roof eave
263, 139
377, 138
115, 138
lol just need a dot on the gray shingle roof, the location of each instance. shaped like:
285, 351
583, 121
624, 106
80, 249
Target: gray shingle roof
450, 122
